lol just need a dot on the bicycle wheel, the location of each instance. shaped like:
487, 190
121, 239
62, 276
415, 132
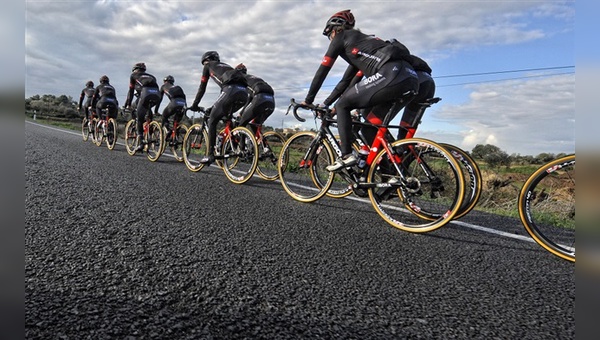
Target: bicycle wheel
417, 196
195, 147
85, 129
269, 149
339, 187
111, 133
472, 176
547, 207
131, 137
99, 132
302, 165
153, 141
240, 154
177, 144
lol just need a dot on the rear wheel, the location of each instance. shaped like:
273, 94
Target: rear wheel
177, 144
472, 176
302, 165
269, 150
240, 155
131, 137
195, 147
85, 129
111, 133
153, 141
422, 193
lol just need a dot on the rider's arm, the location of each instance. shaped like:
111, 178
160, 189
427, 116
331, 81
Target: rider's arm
202, 87
130, 92
335, 48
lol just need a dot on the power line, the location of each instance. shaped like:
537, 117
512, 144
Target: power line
502, 72
496, 80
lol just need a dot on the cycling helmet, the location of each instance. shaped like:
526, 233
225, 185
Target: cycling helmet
169, 79
343, 19
139, 66
210, 55
89, 83
242, 68
104, 79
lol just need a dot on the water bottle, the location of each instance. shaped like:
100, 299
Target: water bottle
362, 156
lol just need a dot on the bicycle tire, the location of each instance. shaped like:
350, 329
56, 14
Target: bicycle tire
92, 126
472, 176
240, 155
195, 147
422, 205
269, 150
85, 129
177, 144
111, 133
154, 141
547, 207
99, 132
131, 137
305, 179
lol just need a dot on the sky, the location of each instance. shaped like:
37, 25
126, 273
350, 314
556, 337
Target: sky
504, 69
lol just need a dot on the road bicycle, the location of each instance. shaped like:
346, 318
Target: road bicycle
105, 130
547, 206
87, 127
236, 150
414, 184
470, 169
175, 138
152, 137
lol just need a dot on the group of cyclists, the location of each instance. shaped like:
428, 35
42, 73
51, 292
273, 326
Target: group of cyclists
380, 74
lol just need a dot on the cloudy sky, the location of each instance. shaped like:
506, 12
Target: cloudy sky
504, 69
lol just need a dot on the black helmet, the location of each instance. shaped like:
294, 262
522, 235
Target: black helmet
210, 55
104, 79
169, 79
139, 66
242, 68
344, 19
89, 83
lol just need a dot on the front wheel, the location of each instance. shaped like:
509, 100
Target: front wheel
240, 155
111, 133
153, 141
268, 151
131, 137
195, 147
302, 165
547, 207
417, 185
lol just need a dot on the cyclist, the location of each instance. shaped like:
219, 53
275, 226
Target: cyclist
176, 104
411, 110
146, 89
86, 93
261, 101
388, 76
232, 97
105, 97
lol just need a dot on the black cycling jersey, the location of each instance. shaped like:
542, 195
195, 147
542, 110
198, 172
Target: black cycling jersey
261, 102
87, 93
138, 81
105, 97
363, 52
173, 92
223, 74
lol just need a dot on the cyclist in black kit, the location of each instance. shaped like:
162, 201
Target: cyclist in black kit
105, 97
388, 77
145, 87
86, 93
232, 97
176, 102
261, 100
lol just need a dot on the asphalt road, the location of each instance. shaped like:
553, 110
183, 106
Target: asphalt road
118, 247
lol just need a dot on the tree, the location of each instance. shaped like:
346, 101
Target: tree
491, 154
